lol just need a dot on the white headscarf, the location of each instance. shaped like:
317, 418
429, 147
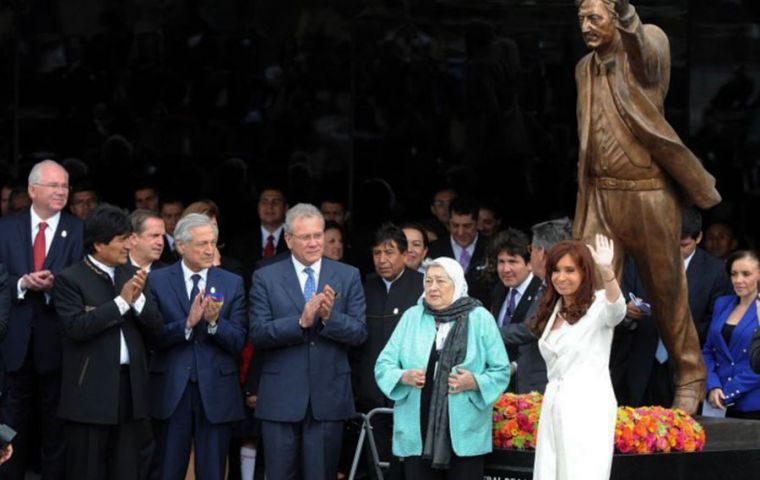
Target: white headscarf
454, 271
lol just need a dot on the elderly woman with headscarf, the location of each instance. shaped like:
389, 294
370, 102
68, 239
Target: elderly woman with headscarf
444, 367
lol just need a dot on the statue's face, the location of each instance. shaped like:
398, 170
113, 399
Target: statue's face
597, 24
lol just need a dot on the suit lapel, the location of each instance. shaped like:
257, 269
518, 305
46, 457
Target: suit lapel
526, 300
326, 276
291, 284
25, 234
498, 300
748, 321
59, 240
177, 280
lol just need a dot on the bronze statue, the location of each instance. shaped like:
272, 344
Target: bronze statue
634, 172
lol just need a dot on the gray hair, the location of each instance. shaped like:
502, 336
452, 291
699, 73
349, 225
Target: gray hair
183, 230
549, 233
35, 175
301, 210
140, 216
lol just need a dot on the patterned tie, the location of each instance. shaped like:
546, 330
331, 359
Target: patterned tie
38, 249
310, 288
507, 318
464, 259
269, 249
195, 290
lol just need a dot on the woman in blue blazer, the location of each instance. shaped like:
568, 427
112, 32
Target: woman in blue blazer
444, 367
731, 383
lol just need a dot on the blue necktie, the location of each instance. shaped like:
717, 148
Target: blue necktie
661, 354
194, 291
507, 318
310, 288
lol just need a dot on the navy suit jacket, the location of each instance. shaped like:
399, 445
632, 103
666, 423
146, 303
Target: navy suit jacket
306, 367
34, 311
5, 301
728, 366
215, 355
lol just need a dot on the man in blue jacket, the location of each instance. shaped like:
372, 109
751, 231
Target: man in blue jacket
194, 375
35, 245
305, 313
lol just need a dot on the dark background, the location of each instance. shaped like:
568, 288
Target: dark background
370, 101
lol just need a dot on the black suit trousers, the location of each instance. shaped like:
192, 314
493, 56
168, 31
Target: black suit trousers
26, 388
109, 452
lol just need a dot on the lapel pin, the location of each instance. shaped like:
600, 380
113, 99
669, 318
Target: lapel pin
64, 233
213, 290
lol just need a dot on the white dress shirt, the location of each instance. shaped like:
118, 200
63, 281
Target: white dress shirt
458, 248
123, 308
265, 236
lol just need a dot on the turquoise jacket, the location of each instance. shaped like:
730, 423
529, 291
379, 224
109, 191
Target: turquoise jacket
470, 412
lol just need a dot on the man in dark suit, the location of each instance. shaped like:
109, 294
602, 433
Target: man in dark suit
5, 314
466, 246
266, 239
35, 245
515, 292
648, 373
389, 294
531, 368
147, 241
107, 322
170, 209
195, 394
305, 313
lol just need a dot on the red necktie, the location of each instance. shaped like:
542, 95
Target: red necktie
39, 247
269, 249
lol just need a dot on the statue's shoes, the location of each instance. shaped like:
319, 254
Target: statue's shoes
688, 397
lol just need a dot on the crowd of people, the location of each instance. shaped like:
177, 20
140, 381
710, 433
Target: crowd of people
141, 332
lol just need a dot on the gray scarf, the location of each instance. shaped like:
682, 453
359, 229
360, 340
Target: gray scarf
437, 445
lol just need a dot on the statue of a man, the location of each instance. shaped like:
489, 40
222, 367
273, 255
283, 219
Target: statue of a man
634, 172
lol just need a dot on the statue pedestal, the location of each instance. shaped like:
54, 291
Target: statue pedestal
732, 451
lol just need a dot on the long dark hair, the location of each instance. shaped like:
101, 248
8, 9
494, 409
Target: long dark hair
581, 256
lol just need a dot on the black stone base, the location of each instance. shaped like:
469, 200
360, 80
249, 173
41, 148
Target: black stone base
732, 452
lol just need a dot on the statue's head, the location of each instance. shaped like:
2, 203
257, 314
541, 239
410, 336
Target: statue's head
598, 22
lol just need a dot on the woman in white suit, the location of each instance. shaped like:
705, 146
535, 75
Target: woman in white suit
574, 324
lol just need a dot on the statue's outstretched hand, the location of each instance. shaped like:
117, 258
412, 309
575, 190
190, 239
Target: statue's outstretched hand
604, 251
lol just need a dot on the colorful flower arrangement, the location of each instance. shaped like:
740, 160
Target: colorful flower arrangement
515, 420
638, 430
657, 430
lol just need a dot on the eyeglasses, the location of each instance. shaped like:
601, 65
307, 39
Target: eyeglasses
55, 186
441, 203
309, 236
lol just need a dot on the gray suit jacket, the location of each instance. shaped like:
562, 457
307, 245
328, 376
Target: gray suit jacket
531, 367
